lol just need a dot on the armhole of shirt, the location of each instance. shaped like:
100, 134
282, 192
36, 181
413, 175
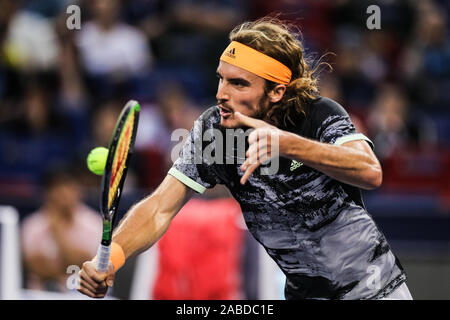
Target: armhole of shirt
197, 187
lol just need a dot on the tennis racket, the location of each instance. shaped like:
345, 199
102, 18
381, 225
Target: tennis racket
120, 151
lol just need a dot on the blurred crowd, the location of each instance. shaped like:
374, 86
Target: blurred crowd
61, 90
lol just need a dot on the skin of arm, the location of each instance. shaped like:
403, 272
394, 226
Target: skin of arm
148, 220
353, 162
142, 227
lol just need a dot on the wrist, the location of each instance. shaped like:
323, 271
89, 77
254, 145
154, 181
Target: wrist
117, 256
288, 142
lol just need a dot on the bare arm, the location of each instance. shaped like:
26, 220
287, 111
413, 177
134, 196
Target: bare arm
149, 219
353, 162
141, 228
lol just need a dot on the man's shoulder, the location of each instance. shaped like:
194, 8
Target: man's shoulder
323, 107
322, 110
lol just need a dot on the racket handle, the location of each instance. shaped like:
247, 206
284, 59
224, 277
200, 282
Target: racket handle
102, 259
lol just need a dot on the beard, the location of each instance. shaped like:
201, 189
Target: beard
261, 113
263, 108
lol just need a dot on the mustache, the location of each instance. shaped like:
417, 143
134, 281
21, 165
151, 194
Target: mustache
224, 105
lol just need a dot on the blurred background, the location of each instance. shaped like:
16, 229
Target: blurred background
61, 91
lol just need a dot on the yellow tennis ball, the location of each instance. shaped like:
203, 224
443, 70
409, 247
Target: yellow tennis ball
96, 160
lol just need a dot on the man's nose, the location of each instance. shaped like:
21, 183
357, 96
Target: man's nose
222, 95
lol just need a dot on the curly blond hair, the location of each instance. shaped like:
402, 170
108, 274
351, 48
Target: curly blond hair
278, 40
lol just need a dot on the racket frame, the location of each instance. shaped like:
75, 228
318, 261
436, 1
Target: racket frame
109, 213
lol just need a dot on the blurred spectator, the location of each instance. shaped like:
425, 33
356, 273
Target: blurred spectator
103, 122
357, 89
61, 233
35, 114
72, 96
30, 42
330, 87
112, 53
176, 106
393, 124
313, 18
48, 8
174, 109
194, 36
204, 242
426, 60
34, 136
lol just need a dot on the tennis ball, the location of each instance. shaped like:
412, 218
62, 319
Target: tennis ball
96, 160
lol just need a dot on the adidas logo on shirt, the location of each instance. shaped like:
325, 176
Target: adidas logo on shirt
295, 165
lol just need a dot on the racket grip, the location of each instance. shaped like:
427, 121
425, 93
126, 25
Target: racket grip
102, 259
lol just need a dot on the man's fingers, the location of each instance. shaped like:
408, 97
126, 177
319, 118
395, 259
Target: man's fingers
255, 149
85, 284
248, 121
90, 270
84, 276
264, 158
91, 294
96, 291
265, 133
255, 157
111, 275
248, 172
93, 283
85, 291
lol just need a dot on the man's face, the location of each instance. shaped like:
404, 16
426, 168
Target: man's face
239, 90
64, 196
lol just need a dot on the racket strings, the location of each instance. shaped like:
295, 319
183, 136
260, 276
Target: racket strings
120, 157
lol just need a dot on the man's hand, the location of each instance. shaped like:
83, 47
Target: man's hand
92, 283
264, 144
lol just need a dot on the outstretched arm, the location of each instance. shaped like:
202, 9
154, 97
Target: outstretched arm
149, 219
141, 227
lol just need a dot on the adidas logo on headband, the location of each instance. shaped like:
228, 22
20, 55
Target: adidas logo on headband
231, 53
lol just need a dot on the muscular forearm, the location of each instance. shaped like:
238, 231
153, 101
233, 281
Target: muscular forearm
148, 220
347, 164
141, 227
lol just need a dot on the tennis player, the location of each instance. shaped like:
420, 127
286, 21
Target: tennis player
309, 215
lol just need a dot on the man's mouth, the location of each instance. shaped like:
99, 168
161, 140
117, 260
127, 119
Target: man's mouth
225, 112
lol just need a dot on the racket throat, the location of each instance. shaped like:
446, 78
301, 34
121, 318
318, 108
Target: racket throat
107, 232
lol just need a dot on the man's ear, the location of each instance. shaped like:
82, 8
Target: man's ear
277, 93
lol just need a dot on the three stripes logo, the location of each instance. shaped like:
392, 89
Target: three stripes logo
231, 53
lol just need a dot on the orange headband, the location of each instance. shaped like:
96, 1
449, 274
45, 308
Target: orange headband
256, 62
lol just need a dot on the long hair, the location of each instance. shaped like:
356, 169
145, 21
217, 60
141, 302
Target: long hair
278, 40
